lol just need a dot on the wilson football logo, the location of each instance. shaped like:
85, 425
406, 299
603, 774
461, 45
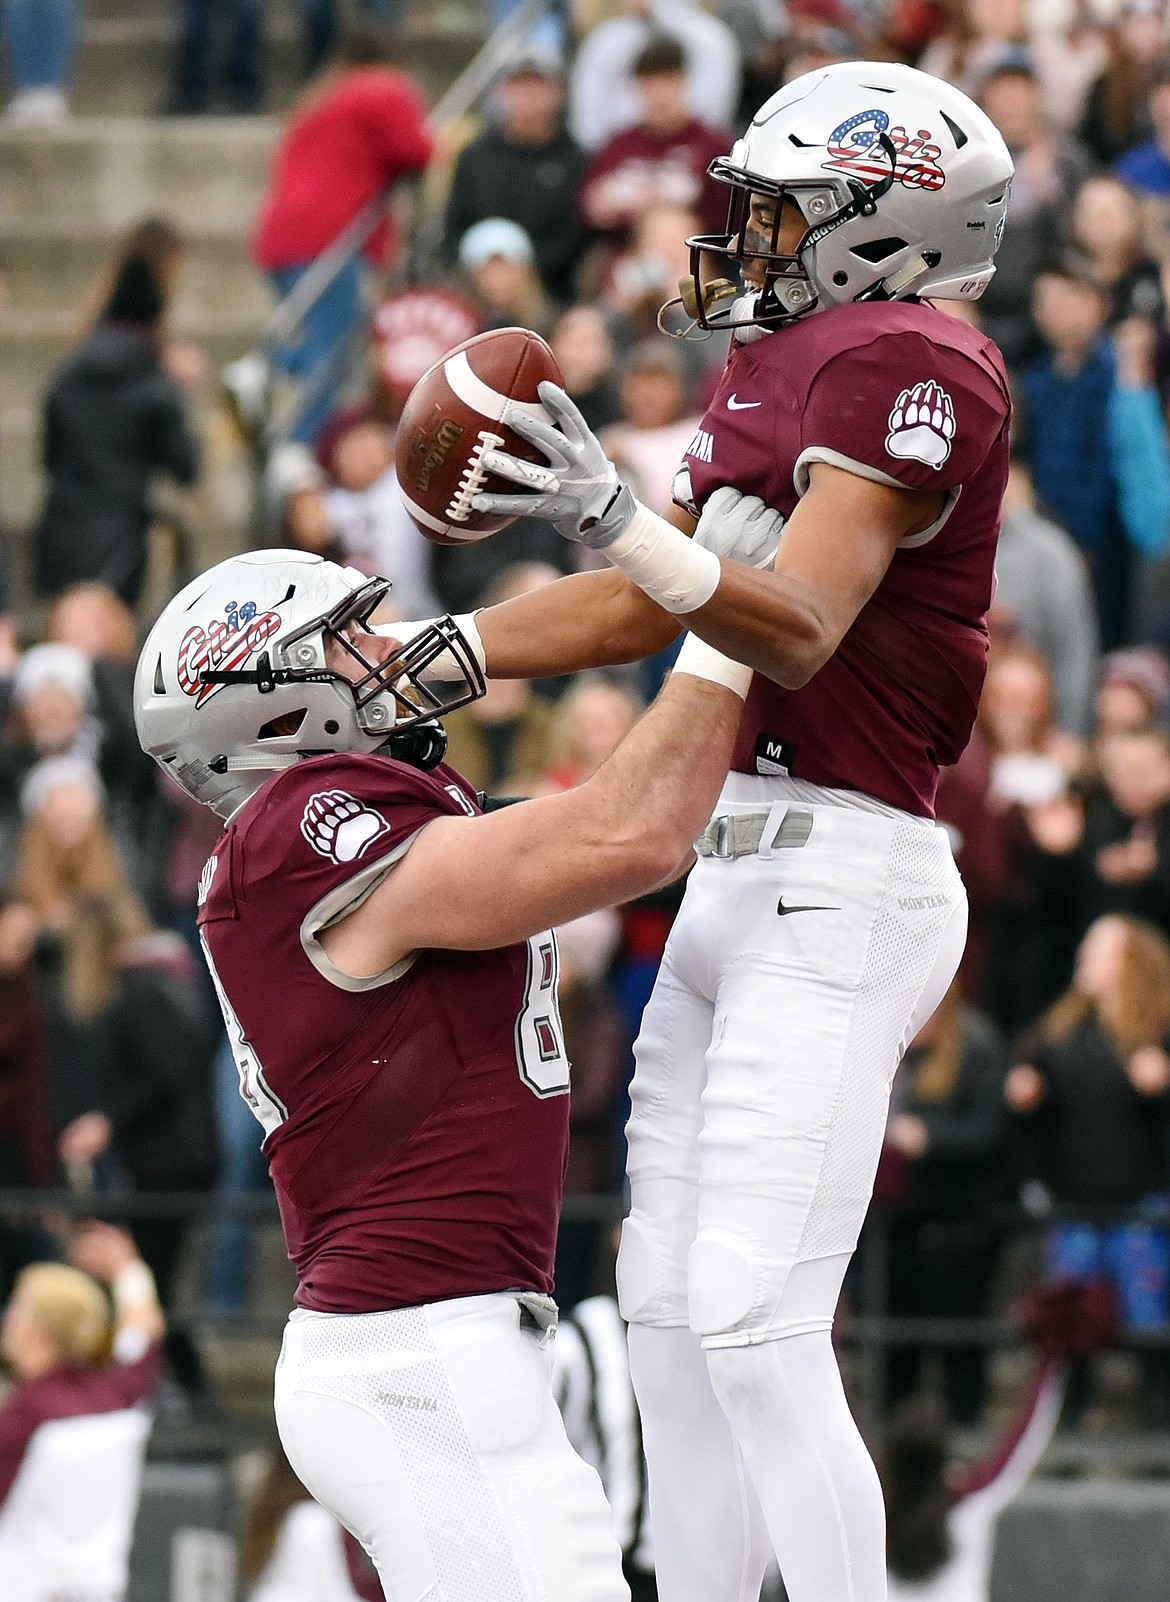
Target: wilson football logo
855, 146
224, 645
922, 425
340, 827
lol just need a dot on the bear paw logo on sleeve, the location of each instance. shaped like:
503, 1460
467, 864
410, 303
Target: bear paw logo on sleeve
340, 827
922, 425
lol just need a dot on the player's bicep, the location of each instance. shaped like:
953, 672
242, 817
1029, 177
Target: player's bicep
842, 537
475, 884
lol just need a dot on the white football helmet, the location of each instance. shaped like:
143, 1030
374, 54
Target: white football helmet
902, 182
232, 683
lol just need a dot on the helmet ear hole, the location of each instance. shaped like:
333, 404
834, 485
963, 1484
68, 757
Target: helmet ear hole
875, 250
280, 728
160, 685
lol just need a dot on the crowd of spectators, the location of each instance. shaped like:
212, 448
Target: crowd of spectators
1044, 1078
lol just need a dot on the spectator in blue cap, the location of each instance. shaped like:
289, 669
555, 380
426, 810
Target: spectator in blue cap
525, 166
500, 264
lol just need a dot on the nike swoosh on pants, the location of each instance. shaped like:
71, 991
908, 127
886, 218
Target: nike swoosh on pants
782, 911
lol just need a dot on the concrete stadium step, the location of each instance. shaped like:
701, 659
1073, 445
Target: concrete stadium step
206, 174
48, 269
67, 192
125, 64
33, 345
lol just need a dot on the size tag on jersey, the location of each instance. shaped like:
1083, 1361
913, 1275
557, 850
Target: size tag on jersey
217, 883
774, 756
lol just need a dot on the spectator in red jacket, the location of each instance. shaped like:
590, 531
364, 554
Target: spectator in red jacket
359, 127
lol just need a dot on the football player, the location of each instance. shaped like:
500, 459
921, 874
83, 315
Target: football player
846, 483
383, 958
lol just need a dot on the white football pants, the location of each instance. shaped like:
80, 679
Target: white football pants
790, 987
432, 1434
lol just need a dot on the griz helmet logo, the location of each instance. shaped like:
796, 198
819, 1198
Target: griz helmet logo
225, 644
855, 146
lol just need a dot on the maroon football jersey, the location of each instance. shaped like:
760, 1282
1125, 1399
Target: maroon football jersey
908, 396
416, 1124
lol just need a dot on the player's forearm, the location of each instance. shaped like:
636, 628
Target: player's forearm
662, 782
585, 621
784, 621
772, 622
590, 620
476, 884
621, 833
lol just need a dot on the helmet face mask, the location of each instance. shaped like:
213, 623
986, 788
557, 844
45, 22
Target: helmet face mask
786, 290
228, 692
902, 182
388, 694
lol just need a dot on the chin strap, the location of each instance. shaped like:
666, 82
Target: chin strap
422, 746
270, 762
898, 283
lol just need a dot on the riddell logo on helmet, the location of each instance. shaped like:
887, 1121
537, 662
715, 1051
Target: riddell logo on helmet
854, 146
225, 644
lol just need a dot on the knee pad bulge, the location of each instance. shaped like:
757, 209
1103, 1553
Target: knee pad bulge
723, 1284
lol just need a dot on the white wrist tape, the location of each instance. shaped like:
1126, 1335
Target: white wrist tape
703, 661
466, 625
680, 575
444, 667
134, 1287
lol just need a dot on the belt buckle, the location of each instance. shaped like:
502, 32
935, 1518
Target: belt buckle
721, 846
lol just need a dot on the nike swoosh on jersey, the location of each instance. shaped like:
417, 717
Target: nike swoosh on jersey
734, 405
782, 911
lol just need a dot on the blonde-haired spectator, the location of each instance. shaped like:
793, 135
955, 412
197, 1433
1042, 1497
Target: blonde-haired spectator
65, 851
592, 720
73, 1430
499, 262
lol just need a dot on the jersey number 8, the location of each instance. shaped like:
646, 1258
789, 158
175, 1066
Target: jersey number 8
540, 1040
254, 1088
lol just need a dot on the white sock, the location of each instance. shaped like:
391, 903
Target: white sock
815, 1480
710, 1540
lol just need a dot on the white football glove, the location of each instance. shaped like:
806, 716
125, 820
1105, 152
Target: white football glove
579, 492
740, 527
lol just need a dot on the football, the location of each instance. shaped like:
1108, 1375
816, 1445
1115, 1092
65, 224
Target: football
453, 416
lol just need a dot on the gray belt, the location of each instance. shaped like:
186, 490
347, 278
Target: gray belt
738, 834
